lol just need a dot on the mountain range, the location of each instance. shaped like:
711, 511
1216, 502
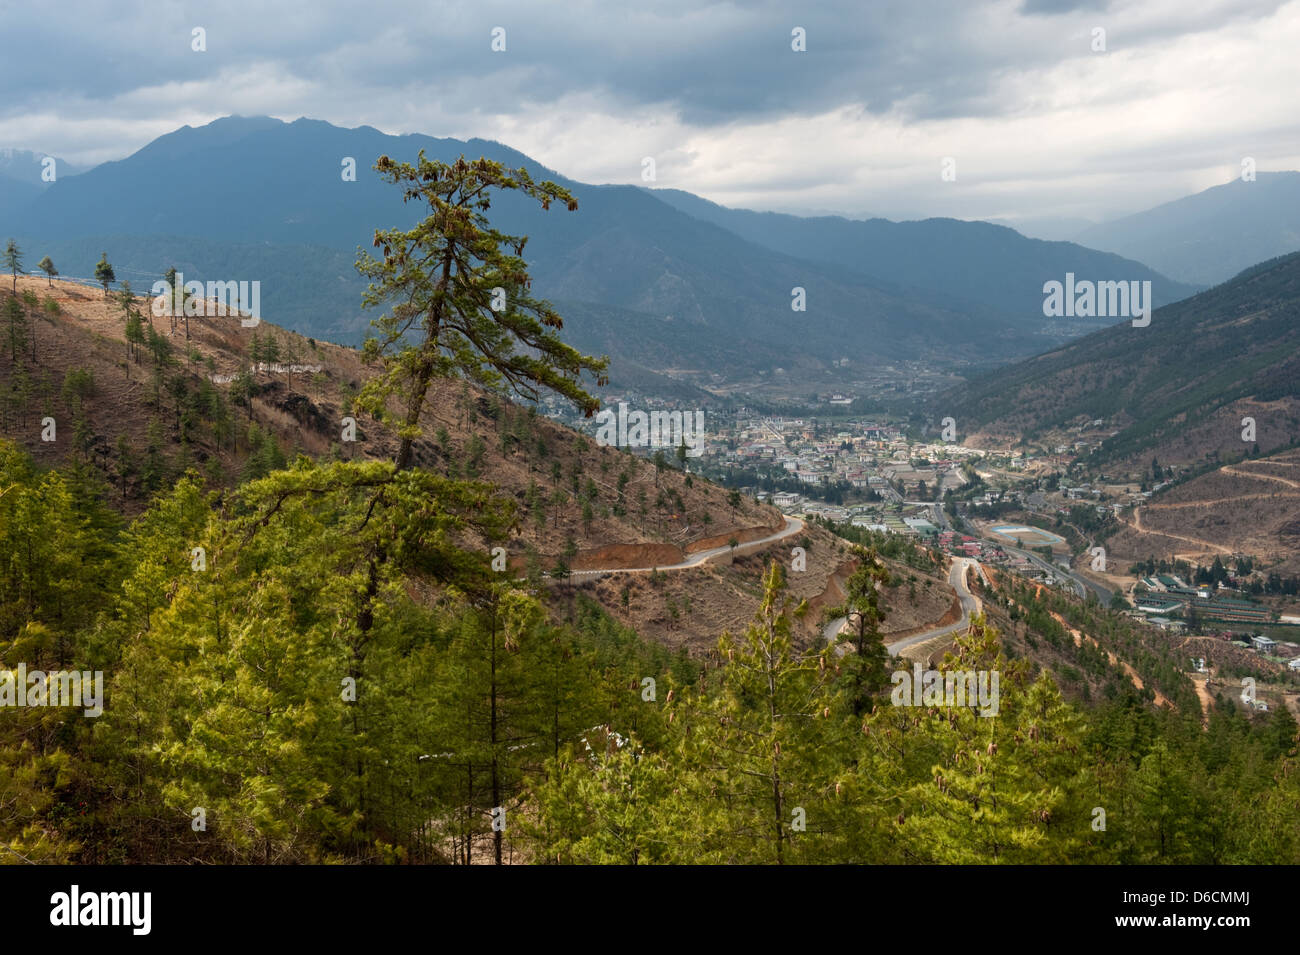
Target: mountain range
24, 175
657, 279
1209, 237
1178, 388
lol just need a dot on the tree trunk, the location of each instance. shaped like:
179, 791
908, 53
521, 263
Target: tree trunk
413, 408
776, 760
424, 374
496, 776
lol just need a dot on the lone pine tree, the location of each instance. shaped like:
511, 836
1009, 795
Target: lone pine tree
104, 273
460, 305
13, 261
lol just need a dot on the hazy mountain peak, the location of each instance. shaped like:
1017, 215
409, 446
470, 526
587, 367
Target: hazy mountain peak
1209, 237
26, 165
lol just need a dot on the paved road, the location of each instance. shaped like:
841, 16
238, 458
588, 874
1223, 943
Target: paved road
969, 605
832, 629
793, 525
1104, 594
1081, 584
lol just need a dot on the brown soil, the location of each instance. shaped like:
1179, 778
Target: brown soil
634, 516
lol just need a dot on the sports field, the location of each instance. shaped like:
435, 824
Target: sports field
1031, 536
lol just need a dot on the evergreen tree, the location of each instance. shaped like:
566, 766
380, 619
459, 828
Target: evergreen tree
125, 462
448, 317
16, 318
611, 803
13, 261
1004, 778
135, 336
153, 473
756, 772
1171, 816
866, 670
46, 265
104, 274
176, 299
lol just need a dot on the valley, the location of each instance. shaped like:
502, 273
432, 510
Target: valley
591, 515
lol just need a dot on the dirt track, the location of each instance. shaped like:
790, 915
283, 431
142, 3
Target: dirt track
1210, 547
1228, 469
1161, 699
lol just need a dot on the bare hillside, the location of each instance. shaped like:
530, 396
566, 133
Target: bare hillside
205, 398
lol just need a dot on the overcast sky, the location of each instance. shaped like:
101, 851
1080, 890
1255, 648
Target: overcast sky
1038, 123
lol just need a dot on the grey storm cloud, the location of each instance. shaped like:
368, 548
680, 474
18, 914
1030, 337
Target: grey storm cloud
1062, 6
94, 80
712, 62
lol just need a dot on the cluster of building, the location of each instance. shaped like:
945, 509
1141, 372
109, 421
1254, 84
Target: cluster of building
908, 479
875, 517
1169, 594
1268, 647
864, 455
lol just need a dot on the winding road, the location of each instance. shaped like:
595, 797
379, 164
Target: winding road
969, 605
1227, 469
793, 525
1082, 584
1209, 546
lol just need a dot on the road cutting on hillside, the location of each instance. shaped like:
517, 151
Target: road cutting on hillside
969, 603
793, 525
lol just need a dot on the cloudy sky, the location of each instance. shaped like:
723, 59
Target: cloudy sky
1038, 123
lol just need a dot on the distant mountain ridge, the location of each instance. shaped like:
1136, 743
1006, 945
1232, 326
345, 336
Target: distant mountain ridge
1209, 237
1178, 388
24, 174
990, 265
708, 295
